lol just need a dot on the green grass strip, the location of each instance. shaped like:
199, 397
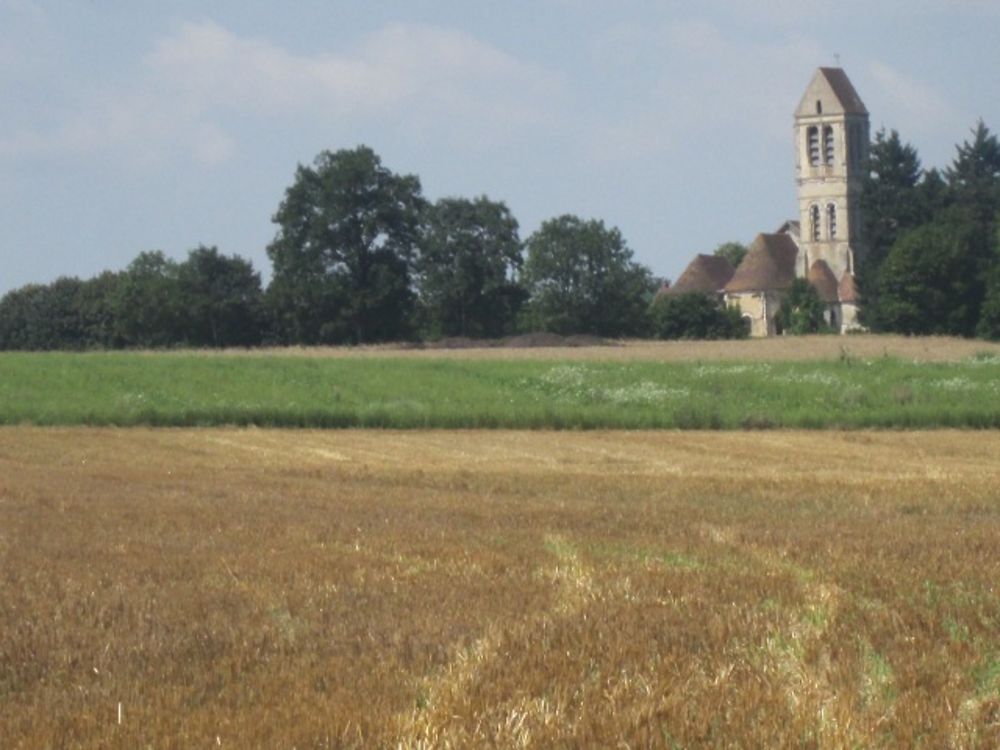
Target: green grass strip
201, 390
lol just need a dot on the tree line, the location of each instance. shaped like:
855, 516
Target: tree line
933, 261
360, 256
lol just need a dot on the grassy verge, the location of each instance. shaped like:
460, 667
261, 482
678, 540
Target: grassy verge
197, 390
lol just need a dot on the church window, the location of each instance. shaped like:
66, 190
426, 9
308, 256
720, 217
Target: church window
828, 145
819, 107
813, 140
814, 222
831, 220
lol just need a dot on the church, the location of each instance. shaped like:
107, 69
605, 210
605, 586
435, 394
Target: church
824, 243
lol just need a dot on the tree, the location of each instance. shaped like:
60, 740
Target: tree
802, 311
734, 252
466, 270
147, 306
221, 299
581, 278
348, 232
694, 315
932, 282
989, 313
889, 198
974, 176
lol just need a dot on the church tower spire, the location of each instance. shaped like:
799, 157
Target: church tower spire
831, 146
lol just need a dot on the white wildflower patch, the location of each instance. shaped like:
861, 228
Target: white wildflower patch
702, 371
809, 378
575, 383
566, 376
645, 392
957, 384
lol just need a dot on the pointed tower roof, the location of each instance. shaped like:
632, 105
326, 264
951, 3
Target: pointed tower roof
706, 273
769, 264
823, 281
848, 289
830, 93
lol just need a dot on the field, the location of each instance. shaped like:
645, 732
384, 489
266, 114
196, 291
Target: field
812, 383
259, 588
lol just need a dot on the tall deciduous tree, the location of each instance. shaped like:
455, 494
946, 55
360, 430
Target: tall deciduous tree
467, 268
581, 278
147, 305
932, 282
348, 232
221, 299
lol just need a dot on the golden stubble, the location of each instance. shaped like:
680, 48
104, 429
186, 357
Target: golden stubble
251, 587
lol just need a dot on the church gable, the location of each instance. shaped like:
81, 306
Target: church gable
830, 93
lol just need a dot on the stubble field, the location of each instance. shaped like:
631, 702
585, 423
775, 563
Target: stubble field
257, 588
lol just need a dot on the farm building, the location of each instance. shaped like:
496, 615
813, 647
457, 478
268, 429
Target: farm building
824, 243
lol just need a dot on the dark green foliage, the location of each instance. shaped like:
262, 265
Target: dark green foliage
221, 299
989, 313
146, 303
694, 315
932, 241
467, 268
932, 281
802, 311
581, 278
974, 176
890, 205
734, 252
348, 232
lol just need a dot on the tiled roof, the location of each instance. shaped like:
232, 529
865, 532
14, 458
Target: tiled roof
823, 281
769, 264
706, 273
843, 89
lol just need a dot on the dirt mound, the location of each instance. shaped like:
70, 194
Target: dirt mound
527, 340
522, 341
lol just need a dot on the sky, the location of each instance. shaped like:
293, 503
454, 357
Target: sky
132, 125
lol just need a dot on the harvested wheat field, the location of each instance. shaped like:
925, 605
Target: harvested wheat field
250, 588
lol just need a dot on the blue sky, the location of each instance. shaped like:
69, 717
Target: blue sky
130, 126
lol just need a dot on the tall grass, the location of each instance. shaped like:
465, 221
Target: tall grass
198, 390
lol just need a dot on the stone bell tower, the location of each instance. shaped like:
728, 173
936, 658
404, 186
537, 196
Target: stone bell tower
831, 146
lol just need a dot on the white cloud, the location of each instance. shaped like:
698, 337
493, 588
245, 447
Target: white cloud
193, 80
906, 100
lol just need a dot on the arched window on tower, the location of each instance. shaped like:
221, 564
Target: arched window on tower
812, 137
828, 145
831, 220
814, 222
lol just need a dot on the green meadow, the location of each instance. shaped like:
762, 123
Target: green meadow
173, 389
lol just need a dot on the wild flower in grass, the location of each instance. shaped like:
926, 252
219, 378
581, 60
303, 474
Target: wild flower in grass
760, 368
645, 392
958, 383
809, 378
